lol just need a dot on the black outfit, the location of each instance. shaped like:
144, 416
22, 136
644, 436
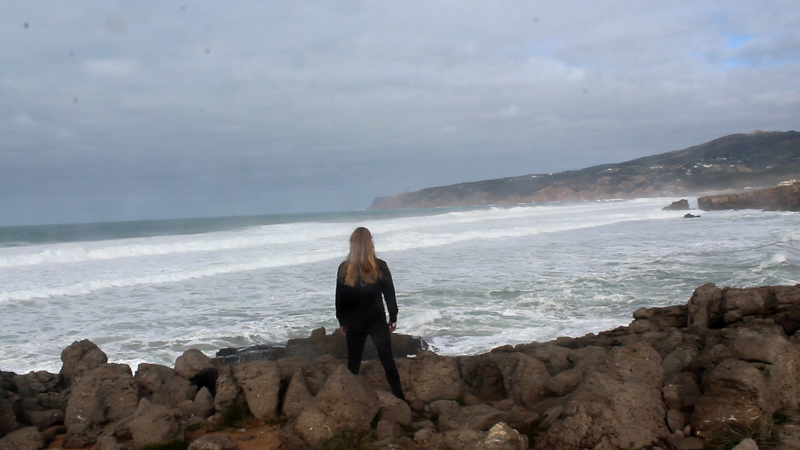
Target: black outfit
360, 309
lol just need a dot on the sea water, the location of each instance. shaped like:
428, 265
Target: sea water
468, 279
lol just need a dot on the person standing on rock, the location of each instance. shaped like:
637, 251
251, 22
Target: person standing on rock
363, 283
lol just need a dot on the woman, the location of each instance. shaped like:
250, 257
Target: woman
361, 281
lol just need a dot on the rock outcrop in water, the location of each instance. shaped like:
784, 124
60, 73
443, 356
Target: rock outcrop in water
780, 198
704, 374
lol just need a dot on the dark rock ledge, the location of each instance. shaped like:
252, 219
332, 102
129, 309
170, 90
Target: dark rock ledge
679, 377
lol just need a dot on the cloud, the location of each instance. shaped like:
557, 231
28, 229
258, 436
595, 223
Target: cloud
214, 104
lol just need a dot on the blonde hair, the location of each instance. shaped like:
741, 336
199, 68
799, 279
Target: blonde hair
361, 264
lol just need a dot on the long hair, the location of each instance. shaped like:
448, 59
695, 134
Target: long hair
361, 264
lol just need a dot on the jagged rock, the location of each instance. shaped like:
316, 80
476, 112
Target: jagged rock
162, 385
100, 396
680, 205
213, 442
42, 386
679, 359
458, 439
28, 438
618, 405
393, 409
344, 402
227, 391
514, 375
45, 419
260, 381
681, 391
675, 420
566, 381
80, 357
8, 420
149, 424
319, 344
503, 437
474, 417
195, 366
430, 377
297, 396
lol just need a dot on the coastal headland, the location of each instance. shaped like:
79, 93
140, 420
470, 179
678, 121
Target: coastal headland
705, 374
736, 162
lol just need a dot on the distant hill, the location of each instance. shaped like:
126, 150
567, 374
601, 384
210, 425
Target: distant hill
734, 162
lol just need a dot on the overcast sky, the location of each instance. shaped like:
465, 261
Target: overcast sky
159, 109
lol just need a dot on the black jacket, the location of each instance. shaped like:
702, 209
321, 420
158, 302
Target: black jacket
361, 305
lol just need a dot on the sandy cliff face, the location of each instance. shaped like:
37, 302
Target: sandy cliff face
731, 162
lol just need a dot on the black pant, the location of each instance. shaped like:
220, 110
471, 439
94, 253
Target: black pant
382, 338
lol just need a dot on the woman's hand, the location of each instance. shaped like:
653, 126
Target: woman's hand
392, 327
344, 331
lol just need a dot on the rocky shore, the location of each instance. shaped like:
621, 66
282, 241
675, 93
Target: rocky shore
720, 371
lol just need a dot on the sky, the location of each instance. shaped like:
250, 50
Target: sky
128, 110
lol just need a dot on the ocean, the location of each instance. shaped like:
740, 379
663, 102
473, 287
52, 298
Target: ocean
468, 279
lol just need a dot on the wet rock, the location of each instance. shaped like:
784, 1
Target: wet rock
680, 205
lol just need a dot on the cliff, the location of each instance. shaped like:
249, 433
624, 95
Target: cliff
736, 161
704, 374
781, 198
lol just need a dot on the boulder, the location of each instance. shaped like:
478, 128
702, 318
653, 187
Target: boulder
681, 391
320, 343
343, 403
525, 378
680, 205
227, 391
46, 388
737, 303
8, 420
705, 308
430, 377
213, 442
100, 396
502, 437
150, 424
474, 417
617, 405
28, 438
202, 405
297, 396
393, 409
45, 419
261, 383
162, 385
195, 366
79, 357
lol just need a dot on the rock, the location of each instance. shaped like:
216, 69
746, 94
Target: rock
680, 205
260, 382
690, 216
319, 344
503, 437
675, 421
195, 366
429, 378
100, 396
423, 437
679, 359
737, 303
28, 438
525, 378
213, 442
297, 396
108, 443
565, 382
681, 391
227, 391
460, 439
617, 405
150, 424
474, 417
746, 444
343, 403
393, 409
705, 307
781, 198
387, 430
265, 352
45, 419
80, 357
202, 405
162, 385
8, 420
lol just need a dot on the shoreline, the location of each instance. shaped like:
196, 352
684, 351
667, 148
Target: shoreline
670, 379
